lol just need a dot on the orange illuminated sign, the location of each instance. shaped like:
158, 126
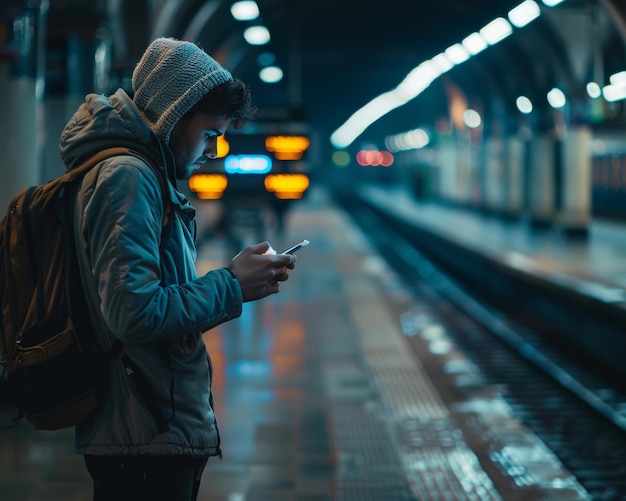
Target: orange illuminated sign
287, 186
287, 147
208, 186
223, 147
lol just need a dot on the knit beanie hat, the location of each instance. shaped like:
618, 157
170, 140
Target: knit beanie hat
171, 77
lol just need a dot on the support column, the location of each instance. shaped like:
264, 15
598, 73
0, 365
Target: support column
21, 95
463, 168
515, 153
576, 181
447, 181
494, 176
541, 181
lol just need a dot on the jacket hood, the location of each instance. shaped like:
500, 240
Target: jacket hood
103, 122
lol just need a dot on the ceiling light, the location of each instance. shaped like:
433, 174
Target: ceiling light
556, 98
524, 13
457, 53
524, 105
471, 118
474, 43
271, 74
552, 3
614, 93
417, 80
246, 10
411, 140
496, 30
442, 63
593, 90
618, 78
257, 35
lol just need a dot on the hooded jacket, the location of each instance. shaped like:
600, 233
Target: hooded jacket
142, 288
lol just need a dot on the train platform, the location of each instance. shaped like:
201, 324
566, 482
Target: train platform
322, 394
593, 266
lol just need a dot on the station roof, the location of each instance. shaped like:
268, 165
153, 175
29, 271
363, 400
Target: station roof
339, 54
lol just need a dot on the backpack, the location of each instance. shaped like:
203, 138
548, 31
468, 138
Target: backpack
47, 340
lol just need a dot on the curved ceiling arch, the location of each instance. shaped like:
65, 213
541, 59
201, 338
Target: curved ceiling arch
339, 54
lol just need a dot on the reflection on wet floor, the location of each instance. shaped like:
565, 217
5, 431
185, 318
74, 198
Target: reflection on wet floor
321, 394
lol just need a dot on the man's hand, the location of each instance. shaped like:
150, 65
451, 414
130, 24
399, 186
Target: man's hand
260, 274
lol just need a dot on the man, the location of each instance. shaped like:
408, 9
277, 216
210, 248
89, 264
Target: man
136, 243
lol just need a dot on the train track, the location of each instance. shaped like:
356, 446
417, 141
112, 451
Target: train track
576, 412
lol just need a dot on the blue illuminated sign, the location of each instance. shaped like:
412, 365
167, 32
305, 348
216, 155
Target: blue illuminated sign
247, 164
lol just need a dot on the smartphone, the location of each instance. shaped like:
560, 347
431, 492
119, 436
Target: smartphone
294, 248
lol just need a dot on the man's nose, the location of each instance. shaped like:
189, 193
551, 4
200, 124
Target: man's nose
211, 151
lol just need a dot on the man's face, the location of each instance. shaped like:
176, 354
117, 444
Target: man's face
194, 141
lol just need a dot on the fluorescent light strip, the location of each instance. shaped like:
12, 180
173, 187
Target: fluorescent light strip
496, 30
457, 54
424, 74
524, 13
474, 43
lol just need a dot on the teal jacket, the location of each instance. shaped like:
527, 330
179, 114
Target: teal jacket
150, 298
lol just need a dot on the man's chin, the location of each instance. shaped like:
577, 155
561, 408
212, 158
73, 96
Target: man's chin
183, 174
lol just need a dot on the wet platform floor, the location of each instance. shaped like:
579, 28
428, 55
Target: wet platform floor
322, 395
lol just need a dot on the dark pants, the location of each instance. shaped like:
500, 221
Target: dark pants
126, 478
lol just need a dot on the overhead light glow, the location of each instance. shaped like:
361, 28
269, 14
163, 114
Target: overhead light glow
257, 35
496, 30
524, 13
364, 116
556, 98
614, 93
424, 74
246, 10
457, 54
374, 158
271, 74
524, 105
474, 43
411, 140
442, 63
417, 80
471, 119
593, 90
247, 164
618, 78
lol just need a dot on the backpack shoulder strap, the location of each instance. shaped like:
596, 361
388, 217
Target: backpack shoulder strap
106, 153
167, 204
94, 160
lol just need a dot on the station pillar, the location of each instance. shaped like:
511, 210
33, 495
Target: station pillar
541, 181
575, 210
515, 160
463, 168
494, 175
447, 176
21, 95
